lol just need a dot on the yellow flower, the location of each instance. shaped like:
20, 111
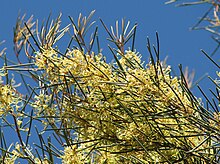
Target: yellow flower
123, 105
72, 156
8, 99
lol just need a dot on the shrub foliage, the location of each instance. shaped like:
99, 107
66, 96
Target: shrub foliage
126, 111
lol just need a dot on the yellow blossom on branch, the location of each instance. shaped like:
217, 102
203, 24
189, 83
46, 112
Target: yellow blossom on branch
119, 105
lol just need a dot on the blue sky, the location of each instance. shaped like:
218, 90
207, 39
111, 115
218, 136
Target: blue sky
181, 45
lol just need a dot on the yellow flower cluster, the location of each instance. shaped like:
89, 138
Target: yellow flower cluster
74, 62
17, 153
12, 156
42, 104
130, 111
9, 99
73, 156
78, 155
